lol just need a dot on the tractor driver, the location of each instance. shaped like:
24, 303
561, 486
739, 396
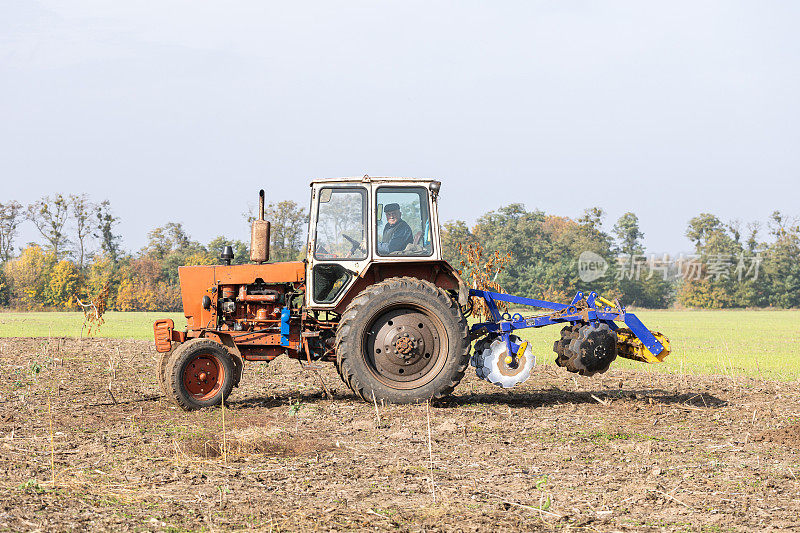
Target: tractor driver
397, 233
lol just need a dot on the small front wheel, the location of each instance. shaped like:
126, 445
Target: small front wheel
199, 373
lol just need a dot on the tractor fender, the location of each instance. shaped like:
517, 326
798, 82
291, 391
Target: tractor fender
440, 273
463, 288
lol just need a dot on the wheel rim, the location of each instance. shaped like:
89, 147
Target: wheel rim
203, 376
405, 347
521, 361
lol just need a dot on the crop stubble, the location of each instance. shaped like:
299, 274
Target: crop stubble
627, 451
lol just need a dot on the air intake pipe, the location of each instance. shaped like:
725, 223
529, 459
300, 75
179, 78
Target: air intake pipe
259, 234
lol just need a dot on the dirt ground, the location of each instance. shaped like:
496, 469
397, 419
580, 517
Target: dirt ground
628, 451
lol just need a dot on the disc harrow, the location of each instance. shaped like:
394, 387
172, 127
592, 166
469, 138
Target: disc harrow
590, 339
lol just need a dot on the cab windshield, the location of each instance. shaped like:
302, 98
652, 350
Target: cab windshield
403, 222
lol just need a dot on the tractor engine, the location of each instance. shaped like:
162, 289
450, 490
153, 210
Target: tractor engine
255, 310
252, 307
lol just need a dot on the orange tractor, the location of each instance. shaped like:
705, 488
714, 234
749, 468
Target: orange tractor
373, 295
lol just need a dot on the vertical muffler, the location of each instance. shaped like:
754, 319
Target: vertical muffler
259, 234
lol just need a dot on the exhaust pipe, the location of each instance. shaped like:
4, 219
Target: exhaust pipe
259, 234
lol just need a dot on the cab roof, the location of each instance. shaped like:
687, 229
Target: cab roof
373, 179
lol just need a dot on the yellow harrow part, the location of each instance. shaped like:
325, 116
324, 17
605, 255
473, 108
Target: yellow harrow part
630, 347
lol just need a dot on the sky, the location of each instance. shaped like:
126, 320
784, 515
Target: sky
181, 110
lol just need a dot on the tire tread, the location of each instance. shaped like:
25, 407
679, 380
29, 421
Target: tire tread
344, 337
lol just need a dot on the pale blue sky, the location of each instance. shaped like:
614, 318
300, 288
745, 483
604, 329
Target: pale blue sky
181, 110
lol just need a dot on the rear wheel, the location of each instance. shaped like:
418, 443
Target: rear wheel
199, 374
402, 340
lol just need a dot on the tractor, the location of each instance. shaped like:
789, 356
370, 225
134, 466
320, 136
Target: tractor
375, 297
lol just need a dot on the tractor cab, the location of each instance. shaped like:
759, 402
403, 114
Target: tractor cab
361, 225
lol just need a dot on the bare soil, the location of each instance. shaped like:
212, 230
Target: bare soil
626, 451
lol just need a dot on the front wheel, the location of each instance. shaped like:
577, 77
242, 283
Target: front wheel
402, 340
199, 373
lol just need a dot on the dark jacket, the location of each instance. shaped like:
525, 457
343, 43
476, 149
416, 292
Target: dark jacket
396, 237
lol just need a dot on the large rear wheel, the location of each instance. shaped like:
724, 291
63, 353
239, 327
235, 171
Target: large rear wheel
199, 373
402, 340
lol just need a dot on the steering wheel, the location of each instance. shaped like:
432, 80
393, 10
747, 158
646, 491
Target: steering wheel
356, 245
323, 253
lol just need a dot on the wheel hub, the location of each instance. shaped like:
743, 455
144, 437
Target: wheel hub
403, 345
406, 345
202, 376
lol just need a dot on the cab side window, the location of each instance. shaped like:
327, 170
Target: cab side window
341, 224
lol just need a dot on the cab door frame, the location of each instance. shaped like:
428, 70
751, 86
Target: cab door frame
353, 266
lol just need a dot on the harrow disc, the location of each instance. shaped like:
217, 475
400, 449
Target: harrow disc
561, 346
589, 352
476, 360
494, 364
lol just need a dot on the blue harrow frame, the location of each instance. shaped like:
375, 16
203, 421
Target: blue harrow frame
579, 310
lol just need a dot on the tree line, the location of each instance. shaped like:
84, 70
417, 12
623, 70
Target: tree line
731, 266
80, 256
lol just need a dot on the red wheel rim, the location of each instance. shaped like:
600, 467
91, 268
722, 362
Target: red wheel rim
203, 376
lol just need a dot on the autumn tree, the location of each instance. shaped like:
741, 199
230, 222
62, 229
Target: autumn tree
63, 284
101, 276
49, 215
165, 239
628, 234
143, 287
641, 281
730, 273
593, 217
5, 288
544, 250
288, 229
710, 235
104, 230
171, 246
81, 210
28, 276
782, 266
11, 215
452, 234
